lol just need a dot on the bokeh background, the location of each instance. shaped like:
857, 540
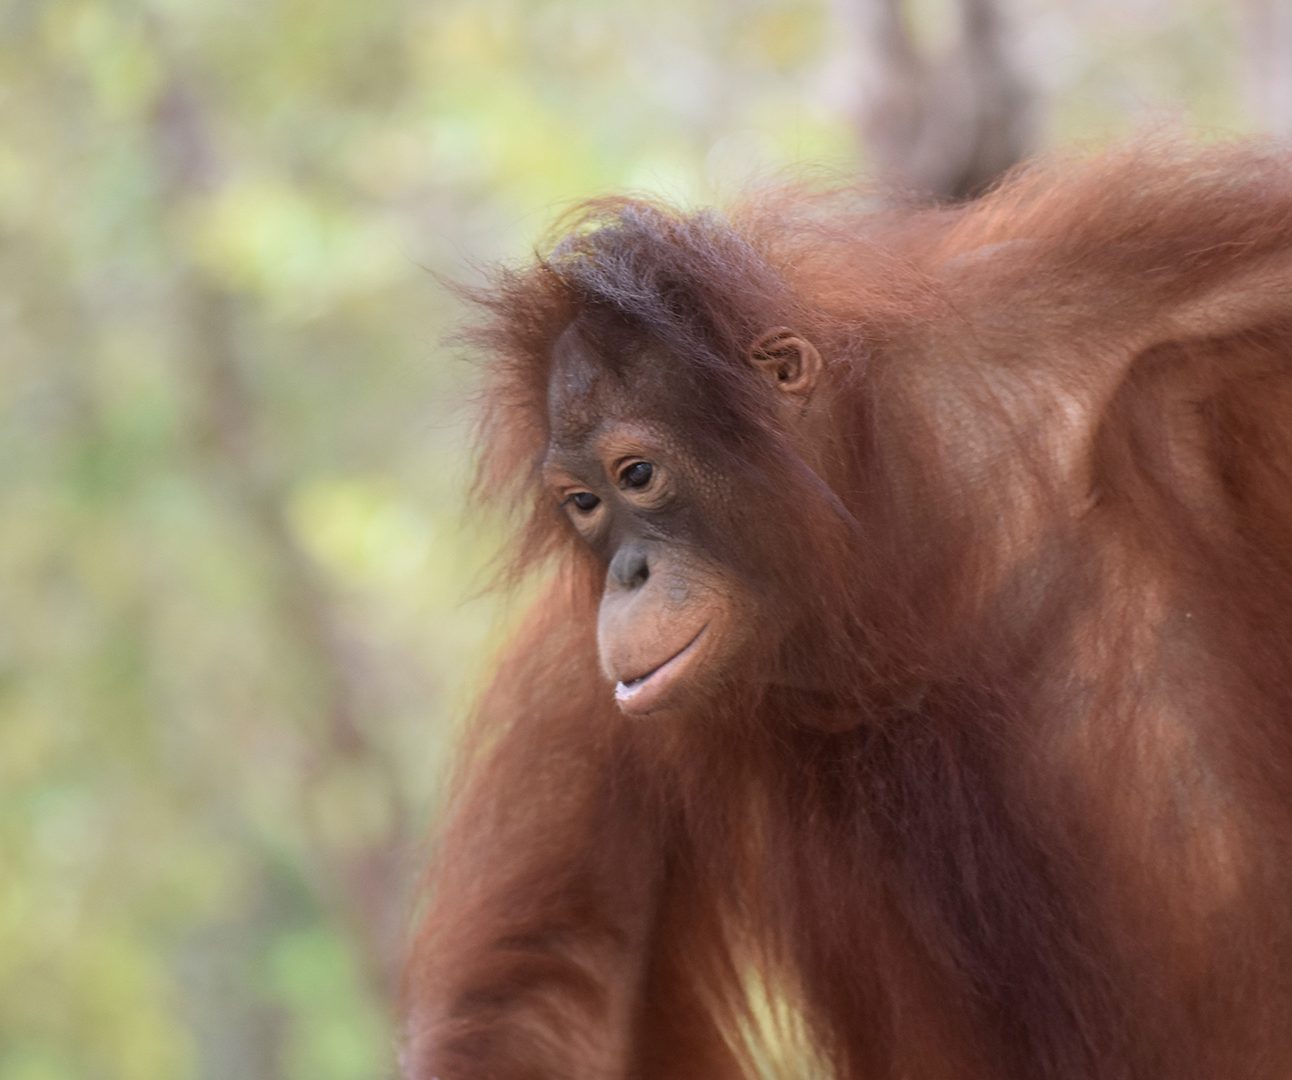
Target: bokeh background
240, 563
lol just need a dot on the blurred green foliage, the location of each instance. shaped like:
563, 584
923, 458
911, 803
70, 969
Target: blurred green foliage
238, 552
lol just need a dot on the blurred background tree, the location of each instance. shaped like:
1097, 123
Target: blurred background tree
238, 567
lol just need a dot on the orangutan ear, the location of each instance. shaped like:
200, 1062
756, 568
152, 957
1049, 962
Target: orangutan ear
788, 361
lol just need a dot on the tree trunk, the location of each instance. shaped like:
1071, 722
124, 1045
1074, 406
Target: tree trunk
944, 126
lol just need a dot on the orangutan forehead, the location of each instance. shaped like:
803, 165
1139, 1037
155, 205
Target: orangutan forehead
587, 389
579, 378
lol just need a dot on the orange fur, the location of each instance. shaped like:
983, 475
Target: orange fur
1044, 572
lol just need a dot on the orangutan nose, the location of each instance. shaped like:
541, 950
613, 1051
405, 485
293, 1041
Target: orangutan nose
629, 569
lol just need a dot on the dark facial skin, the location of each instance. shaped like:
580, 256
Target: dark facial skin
672, 620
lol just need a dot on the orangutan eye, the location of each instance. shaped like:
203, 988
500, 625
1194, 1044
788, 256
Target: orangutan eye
637, 475
584, 501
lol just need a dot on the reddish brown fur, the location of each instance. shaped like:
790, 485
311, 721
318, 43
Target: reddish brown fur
1048, 577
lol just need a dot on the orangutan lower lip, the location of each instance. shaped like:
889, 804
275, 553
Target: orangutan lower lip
637, 695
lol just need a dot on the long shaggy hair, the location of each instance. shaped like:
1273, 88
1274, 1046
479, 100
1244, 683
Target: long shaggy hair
1044, 567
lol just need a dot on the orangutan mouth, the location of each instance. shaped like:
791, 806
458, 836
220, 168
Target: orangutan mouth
641, 694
